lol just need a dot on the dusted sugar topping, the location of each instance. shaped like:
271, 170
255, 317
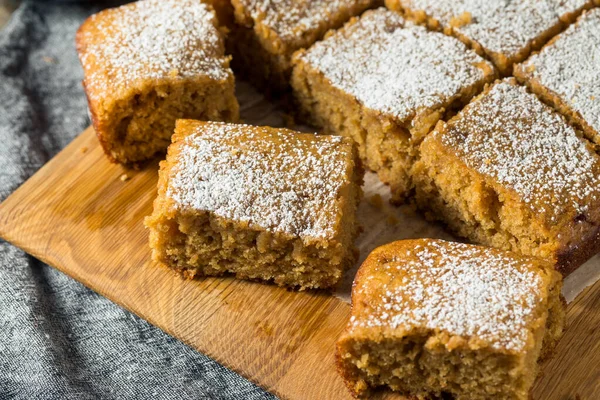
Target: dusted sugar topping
570, 67
500, 26
463, 290
511, 136
151, 39
396, 67
274, 179
294, 20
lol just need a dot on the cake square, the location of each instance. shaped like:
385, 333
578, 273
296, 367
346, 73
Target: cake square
505, 31
436, 319
565, 74
509, 172
148, 63
267, 32
385, 83
257, 202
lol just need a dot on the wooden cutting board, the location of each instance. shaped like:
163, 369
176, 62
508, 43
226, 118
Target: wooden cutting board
84, 216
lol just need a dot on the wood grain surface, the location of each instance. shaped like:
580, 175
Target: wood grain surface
84, 216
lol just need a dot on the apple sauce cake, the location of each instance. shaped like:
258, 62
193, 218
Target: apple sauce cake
565, 74
505, 31
437, 319
385, 83
267, 32
148, 63
258, 202
509, 172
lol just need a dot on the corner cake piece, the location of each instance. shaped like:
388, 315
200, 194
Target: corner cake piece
566, 74
147, 64
267, 32
505, 31
432, 318
509, 172
385, 83
258, 202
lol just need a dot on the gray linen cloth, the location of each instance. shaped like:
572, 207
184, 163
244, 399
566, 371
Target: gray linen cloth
59, 339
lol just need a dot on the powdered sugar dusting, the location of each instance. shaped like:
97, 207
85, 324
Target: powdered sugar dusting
279, 182
293, 19
463, 290
505, 26
570, 67
151, 39
511, 136
396, 67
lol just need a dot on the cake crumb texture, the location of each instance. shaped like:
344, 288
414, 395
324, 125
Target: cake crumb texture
257, 202
148, 63
433, 318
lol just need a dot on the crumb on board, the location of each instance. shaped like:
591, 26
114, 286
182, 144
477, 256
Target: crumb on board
83, 150
376, 201
265, 328
125, 177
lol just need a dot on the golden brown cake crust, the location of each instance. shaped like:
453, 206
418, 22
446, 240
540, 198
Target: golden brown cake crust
147, 63
385, 83
259, 202
531, 179
453, 271
450, 298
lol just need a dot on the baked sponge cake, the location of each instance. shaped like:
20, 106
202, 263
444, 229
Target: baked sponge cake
505, 31
509, 172
257, 202
436, 319
267, 32
565, 74
148, 63
224, 11
385, 82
